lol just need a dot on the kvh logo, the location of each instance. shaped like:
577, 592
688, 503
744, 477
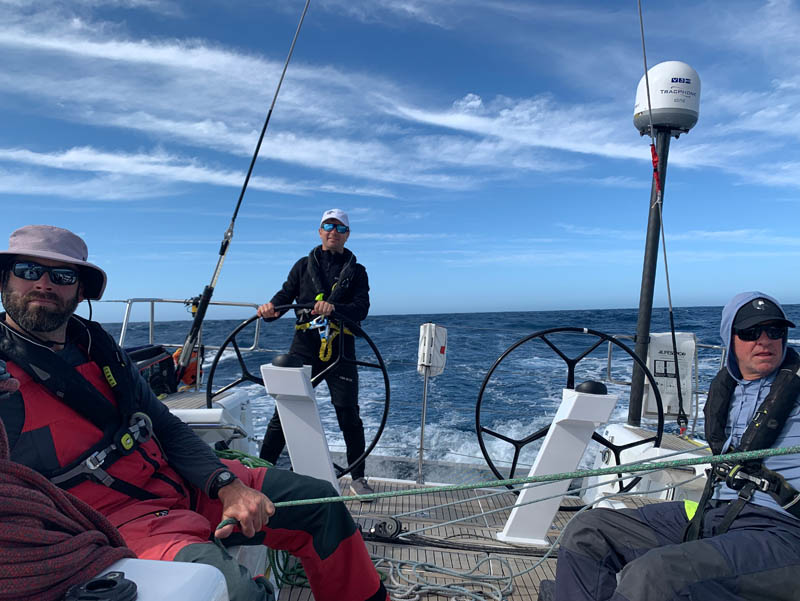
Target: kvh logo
681, 80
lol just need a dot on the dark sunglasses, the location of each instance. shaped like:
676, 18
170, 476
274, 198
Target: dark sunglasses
328, 227
28, 270
754, 333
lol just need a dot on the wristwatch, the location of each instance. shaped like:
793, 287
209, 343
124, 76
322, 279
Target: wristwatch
221, 480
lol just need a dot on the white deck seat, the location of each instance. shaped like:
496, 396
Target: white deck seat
168, 580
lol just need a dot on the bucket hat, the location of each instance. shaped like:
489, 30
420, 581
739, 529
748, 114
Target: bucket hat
57, 244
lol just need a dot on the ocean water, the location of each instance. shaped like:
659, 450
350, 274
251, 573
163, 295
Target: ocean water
521, 396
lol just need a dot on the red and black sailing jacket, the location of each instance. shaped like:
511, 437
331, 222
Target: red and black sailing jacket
81, 426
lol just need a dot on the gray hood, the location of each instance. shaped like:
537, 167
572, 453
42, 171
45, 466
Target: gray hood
726, 327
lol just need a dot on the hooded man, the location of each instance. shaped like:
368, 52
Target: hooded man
77, 411
739, 542
331, 279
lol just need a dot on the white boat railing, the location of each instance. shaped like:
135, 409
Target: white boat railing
129, 303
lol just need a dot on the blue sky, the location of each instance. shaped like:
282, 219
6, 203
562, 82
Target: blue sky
484, 148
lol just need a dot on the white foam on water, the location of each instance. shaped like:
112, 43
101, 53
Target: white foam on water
227, 355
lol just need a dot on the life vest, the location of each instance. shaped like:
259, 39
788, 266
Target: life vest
81, 427
189, 377
761, 433
768, 420
341, 282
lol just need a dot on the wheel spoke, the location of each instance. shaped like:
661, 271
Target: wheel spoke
589, 350
501, 437
535, 436
571, 364
229, 386
556, 350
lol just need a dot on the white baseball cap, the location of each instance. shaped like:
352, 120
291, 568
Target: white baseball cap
335, 214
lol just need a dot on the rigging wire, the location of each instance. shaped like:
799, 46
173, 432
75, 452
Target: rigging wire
200, 305
683, 419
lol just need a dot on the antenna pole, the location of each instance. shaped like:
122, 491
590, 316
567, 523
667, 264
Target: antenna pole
648, 277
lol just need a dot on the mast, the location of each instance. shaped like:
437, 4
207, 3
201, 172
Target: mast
672, 110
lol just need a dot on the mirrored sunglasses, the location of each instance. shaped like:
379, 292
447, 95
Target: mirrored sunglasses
328, 227
754, 333
28, 270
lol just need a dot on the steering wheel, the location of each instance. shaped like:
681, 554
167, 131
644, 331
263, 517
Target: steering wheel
520, 443
247, 376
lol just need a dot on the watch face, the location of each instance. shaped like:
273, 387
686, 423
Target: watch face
224, 477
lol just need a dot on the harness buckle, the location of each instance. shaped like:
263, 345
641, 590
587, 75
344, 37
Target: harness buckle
322, 324
141, 427
95, 460
737, 478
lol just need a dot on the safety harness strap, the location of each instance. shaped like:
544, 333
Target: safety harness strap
694, 529
53, 373
342, 282
328, 331
128, 439
761, 433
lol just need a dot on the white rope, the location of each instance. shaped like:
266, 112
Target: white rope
409, 581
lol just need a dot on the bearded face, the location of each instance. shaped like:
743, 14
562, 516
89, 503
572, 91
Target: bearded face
36, 317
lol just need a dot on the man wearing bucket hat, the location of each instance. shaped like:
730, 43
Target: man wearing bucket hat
742, 540
76, 410
330, 279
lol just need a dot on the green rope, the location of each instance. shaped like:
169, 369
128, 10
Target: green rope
285, 574
243, 458
740, 457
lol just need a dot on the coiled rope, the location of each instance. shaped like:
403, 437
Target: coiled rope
49, 540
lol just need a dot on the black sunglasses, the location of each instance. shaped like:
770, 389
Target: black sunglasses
328, 227
28, 270
754, 333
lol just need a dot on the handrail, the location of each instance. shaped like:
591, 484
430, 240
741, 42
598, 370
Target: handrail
151, 322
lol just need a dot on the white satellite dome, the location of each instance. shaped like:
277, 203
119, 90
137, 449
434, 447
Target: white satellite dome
674, 98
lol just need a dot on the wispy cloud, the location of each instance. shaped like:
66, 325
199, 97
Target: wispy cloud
743, 236
101, 188
211, 98
403, 237
600, 232
159, 166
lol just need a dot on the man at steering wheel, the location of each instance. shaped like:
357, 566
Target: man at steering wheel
331, 279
